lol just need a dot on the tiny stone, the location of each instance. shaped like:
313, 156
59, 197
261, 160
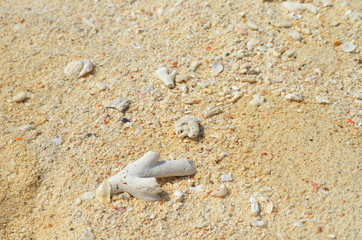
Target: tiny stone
88, 195
281, 23
295, 35
297, 96
257, 100
217, 67
58, 140
252, 25
88, 235
255, 209
213, 112
226, 178
269, 208
178, 195
298, 224
125, 196
289, 53
259, 224
321, 99
20, 97
26, 127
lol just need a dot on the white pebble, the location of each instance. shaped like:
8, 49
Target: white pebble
295, 35
259, 224
348, 47
78, 68
88, 235
252, 25
167, 78
326, 3
281, 23
269, 208
217, 67
321, 99
213, 112
226, 178
289, 53
297, 96
88, 195
20, 97
26, 127
178, 195
58, 140
257, 100
298, 224
255, 209
220, 192
197, 188
293, 6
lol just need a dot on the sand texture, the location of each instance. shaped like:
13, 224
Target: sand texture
276, 92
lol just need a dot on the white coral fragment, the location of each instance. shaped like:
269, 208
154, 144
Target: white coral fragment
119, 103
167, 78
294, 6
78, 68
188, 126
297, 96
139, 178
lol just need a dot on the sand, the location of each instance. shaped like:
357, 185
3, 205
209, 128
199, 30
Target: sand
300, 160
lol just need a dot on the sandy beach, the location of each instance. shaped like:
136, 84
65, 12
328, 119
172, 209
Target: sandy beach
275, 87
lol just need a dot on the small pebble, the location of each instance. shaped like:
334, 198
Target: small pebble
294, 6
213, 112
125, 196
252, 25
298, 224
88, 235
88, 195
259, 224
26, 127
281, 23
295, 35
255, 209
297, 96
217, 67
58, 140
20, 97
257, 100
178, 195
322, 100
269, 208
226, 178
222, 191
289, 53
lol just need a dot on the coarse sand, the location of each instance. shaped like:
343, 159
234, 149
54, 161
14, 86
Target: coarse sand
277, 92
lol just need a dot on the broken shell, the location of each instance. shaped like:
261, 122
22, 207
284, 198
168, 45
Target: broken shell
255, 209
165, 77
217, 67
78, 68
348, 47
269, 208
103, 192
220, 192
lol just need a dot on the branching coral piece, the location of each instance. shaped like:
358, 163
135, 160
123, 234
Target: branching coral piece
139, 178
